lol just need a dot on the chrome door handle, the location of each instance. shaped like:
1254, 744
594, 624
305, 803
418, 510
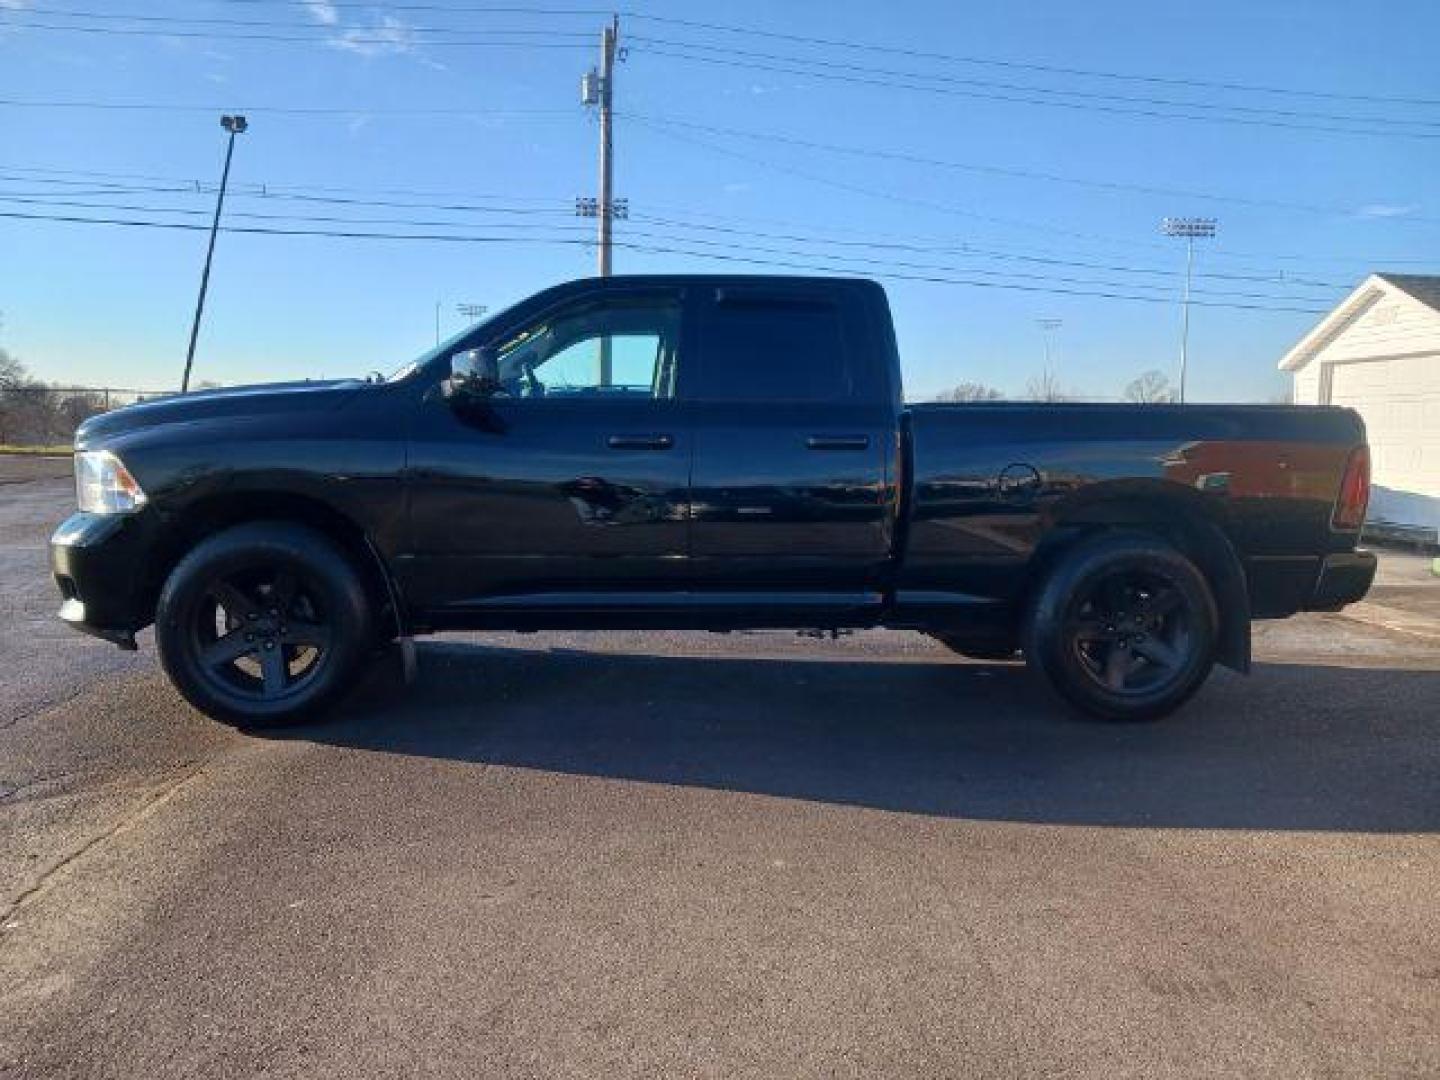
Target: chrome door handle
640, 442
838, 442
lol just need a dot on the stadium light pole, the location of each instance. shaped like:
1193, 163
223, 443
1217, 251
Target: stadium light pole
1189, 228
235, 125
471, 313
1048, 327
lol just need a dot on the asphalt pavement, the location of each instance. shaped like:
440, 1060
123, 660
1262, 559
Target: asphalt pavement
703, 855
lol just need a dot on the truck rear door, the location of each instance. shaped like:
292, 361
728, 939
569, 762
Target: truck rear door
794, 435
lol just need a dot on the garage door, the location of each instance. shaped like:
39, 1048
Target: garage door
1400, 401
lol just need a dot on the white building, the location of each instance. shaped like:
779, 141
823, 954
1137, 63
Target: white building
1378, 352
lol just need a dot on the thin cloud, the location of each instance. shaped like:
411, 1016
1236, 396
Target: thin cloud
322, 11
12, 5
1381, 211
391, 37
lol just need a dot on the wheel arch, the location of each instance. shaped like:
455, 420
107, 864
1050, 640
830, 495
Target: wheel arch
206, 517
1185, 518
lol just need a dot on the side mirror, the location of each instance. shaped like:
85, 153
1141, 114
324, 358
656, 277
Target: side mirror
474, 373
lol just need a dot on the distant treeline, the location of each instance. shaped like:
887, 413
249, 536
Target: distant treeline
35, 413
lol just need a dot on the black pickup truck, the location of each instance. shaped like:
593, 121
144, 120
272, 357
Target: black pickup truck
699, 452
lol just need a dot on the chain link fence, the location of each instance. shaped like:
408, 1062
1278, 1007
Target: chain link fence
39, 416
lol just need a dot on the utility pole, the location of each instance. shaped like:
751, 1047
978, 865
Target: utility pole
597, 88
1189, 228
608, 39
235, 125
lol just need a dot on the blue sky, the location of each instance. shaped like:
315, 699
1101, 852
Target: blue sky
469, 121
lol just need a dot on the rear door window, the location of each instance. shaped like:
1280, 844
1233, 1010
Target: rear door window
759, 346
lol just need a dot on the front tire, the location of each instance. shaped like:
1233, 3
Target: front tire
263, 624
1124, 628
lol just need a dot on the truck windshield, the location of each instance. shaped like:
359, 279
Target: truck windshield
443, 349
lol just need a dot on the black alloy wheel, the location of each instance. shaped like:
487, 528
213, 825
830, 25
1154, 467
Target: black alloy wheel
1131, 631
265, 623
1124, 627
262, 632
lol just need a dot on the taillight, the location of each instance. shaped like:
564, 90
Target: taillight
1354, 491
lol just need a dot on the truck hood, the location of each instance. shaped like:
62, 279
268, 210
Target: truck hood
262, 399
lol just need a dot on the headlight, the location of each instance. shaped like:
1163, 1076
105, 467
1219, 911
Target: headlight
104, 486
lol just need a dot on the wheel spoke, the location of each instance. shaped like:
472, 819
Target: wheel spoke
1116, 596
282, 591
273, 672
1157, 652
227, 650
1163, 601
1089, 628
300, 632
1117, 665
236, 604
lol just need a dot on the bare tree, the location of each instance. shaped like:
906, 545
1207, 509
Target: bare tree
12, 377
12, 371
1151, 388
1045, 387
970, 391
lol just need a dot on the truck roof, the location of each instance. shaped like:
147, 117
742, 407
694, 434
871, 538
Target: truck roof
722, 279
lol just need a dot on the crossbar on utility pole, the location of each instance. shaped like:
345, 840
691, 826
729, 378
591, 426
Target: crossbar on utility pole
234, 125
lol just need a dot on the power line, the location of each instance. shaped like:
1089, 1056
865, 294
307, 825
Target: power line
871, 48
279, 110
881, 193
726, 244
477, 9
968, 251
282, 194
271, 189
887, 81
295, 24
946, 208
121, 182
767, 260
1027, 89
992, 170
397, 37
260, 216
409, 30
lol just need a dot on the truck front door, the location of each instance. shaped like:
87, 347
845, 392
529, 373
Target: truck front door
573, 480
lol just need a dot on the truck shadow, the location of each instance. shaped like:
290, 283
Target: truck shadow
1292, 747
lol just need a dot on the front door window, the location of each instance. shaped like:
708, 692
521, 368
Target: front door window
621, 350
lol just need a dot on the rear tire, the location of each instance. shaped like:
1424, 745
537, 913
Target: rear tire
264, 624
1124, 628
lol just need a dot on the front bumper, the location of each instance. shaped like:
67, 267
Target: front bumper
1344, 579
99, 565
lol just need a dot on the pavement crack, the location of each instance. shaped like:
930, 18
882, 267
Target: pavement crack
43, 707
44, 881
20, 792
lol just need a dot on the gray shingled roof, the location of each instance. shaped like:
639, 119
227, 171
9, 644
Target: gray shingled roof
1423, 287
